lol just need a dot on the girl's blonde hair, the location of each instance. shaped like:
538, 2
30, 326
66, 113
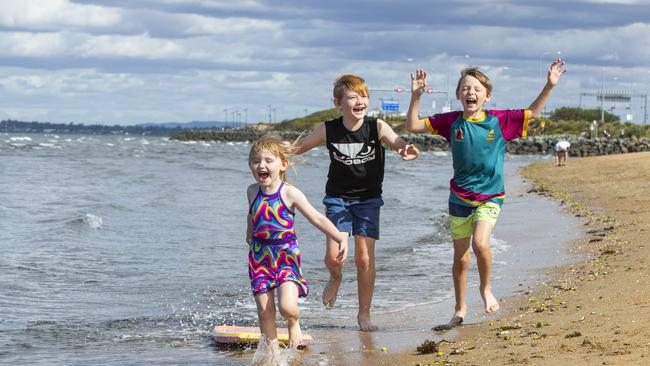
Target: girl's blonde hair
276, 146
479, 75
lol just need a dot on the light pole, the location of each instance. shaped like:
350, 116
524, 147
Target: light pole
500, 70
449, 85
645, 108
602, 96
539, 83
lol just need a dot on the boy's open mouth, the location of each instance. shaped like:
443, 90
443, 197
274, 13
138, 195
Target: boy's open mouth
470, 101
359, 109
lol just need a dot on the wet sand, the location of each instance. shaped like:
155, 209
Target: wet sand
595, 311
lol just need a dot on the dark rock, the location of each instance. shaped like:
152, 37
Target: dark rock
524, 146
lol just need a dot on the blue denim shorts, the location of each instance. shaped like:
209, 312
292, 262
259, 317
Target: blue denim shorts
359, 217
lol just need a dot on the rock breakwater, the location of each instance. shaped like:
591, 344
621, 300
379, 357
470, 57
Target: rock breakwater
528, 145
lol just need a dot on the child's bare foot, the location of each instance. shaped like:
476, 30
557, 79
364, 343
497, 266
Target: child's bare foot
295, 335
330, 292
455, 321
491, 303
364, 323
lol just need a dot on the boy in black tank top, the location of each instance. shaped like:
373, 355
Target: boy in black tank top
354, 183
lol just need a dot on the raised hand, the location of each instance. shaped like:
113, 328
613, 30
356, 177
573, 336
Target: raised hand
418, 81
558, 67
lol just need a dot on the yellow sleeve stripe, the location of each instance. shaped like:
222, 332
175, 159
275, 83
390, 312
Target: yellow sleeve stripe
431, 129
524, 131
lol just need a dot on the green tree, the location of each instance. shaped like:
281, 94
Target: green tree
579, 114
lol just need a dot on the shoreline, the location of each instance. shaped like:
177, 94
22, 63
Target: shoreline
594, 311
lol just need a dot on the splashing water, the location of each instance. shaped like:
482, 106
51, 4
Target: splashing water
93, 221
270, 353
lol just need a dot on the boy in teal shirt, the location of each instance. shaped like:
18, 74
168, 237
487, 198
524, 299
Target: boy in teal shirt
478, 144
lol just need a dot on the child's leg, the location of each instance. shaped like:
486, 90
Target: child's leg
365, 229
336, 273
288, 304
364, 258
462, 260
337, 211
266, 315
481, 247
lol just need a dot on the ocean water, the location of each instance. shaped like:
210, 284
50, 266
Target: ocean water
128, 250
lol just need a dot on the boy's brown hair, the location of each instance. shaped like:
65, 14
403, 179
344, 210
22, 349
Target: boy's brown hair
281, 149
479, 75
351, 82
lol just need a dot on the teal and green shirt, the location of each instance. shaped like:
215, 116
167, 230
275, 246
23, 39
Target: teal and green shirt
478, 147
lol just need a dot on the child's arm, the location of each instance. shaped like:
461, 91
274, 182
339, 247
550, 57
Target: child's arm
296, 199
250, 194
249, 228
554, 73
310, 141
418, 86
387, 134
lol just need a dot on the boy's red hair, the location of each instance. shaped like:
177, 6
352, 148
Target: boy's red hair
350, 82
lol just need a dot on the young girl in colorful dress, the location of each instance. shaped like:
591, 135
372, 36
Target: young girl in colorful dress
274, 256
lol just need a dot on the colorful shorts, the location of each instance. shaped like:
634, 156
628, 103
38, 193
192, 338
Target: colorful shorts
269, 266
463, 218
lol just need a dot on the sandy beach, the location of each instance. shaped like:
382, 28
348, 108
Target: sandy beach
590, 309
591, 312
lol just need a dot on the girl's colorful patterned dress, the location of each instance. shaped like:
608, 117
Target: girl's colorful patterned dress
274, 255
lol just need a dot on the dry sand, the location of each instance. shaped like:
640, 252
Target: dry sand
593, 312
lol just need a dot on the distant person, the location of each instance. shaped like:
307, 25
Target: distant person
354, 184
607, 134
583, 135
478, 145
562, 152
274, 254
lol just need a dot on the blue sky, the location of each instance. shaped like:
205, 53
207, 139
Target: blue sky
134, 61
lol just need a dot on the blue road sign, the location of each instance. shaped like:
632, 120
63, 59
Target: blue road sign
390, 105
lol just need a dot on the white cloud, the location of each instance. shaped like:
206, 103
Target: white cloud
69, 83
50, 14
140, 46
619, 2
219, 4
187, 59
23, 44
196, 24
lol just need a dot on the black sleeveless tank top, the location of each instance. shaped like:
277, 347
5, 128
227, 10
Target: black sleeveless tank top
356, 160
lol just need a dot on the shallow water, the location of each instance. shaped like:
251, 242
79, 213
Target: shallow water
127, 250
